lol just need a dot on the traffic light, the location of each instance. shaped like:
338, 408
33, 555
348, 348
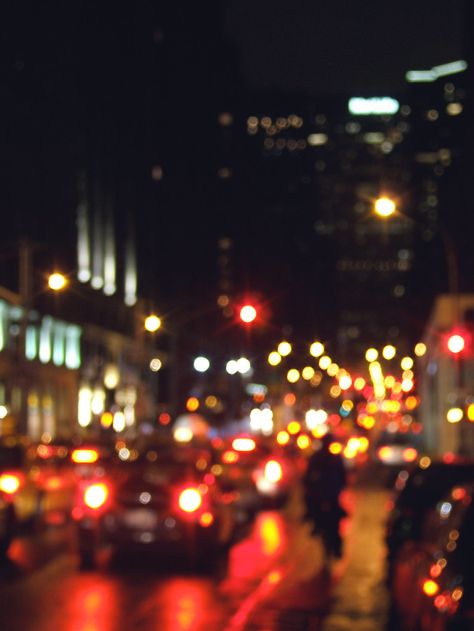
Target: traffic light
456, 343
248, 313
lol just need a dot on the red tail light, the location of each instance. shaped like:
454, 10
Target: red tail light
229, 457
96, 495
9, 483
410, 454
190, 500
84, 456
206, 519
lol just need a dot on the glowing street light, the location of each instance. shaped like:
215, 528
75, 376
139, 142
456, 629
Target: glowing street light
316, 349
389, 351
57, 281
284, 348
201, 364
384, 206
371, 354
152, 323
274, 358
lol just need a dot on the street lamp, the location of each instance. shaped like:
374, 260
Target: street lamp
57, 281
201, 364
384, 206
152, 323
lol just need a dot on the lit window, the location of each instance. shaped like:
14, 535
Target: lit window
73, 346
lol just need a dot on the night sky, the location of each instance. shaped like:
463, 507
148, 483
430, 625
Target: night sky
117, 88
340, 45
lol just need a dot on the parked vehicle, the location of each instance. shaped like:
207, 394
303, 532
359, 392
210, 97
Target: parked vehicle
36, 480
433, 578
7, 524
419, 489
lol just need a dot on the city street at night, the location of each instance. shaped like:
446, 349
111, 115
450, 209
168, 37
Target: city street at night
236, 315
275, 579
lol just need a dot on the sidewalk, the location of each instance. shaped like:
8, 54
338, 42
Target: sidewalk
304, 597
359, 600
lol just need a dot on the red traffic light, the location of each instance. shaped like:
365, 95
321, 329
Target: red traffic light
248, 313
456, 343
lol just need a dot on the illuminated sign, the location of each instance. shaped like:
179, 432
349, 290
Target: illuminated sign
374, 105
425, 76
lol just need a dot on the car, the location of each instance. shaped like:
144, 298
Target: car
433, 582
158, 497
36, 481
418, 489
260, 474
7, 524
16, 482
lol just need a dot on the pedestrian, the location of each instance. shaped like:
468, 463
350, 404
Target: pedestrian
323, 481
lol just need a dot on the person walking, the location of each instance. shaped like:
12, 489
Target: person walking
323, 481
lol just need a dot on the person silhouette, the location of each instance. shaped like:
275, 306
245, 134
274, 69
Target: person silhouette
323, 481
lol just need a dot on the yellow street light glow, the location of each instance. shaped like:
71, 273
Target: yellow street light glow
406, 363
57, 281
345, 382
152, 323
335, 391
470, 412
389, 351
307, 373
333, 369
284, 348
420, 349
371, 354
324, 362
293, 427
293, 375
384, 206
274, 358
376, 374
316, 349
454, 415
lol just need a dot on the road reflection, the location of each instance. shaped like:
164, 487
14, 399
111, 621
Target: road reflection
146, 593
252, 557
93, 605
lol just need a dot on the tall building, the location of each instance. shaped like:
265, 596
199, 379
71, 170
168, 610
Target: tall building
314, 169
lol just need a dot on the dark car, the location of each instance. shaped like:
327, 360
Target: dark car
157, 498
419, 489
262, 475
433, 578
7, 524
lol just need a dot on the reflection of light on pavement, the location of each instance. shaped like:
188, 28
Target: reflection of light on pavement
93, 606
253, 556
274, 577
262, 592
184, 605
271, 533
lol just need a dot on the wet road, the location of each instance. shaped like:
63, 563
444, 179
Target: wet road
43, 588
274, 580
